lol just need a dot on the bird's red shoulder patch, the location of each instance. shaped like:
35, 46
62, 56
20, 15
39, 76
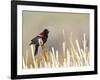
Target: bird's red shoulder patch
41, 35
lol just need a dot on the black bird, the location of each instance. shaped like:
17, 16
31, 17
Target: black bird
40, 40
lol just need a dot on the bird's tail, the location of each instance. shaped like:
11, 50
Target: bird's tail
36, 50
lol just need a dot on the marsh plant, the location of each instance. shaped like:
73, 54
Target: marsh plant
75, 56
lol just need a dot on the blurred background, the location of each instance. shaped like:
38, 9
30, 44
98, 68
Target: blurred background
34, 23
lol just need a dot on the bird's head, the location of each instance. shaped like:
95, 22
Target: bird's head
46, 31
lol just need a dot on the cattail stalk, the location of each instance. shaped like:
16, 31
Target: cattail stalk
34, 61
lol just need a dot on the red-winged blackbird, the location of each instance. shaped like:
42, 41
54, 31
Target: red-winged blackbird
40, 40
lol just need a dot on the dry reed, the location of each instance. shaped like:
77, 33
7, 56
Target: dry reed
73, 56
